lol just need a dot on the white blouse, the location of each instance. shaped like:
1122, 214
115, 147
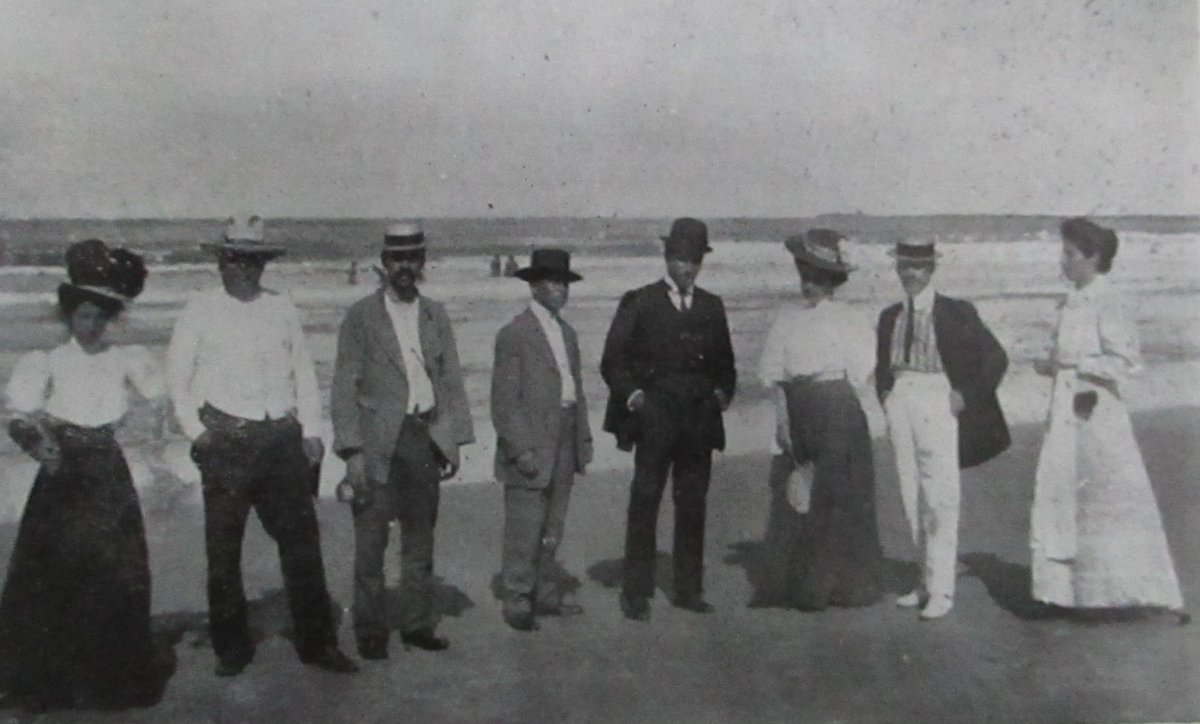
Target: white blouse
1094, 335
830, 339
85, 389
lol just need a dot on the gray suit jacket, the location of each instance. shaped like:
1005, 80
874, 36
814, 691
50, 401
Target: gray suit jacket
527, 400
370, 389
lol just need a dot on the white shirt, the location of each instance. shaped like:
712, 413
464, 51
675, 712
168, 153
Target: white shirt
678, 298
552, 328
247, 359
406, 325
830, 339
81, 388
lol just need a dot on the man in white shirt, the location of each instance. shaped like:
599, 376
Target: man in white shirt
400, 413
245, 391
542, 439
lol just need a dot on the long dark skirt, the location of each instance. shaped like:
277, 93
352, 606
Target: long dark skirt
838, 558
75, 612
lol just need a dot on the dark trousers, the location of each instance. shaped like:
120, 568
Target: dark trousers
675, 439
260, 465
410, 495
534, 521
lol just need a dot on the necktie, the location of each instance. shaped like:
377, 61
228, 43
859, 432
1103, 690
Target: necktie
683, 305
909, 323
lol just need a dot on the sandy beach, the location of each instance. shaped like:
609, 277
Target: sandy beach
990, 661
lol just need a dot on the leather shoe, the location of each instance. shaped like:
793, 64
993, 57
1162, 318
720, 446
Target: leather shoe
329, 658
373, 648
695, 604
521, 621
424, 639
636, 608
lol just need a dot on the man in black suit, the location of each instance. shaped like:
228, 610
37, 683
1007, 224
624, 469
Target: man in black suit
668, 363
937, 368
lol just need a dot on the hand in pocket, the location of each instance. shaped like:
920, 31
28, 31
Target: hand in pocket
1084, 403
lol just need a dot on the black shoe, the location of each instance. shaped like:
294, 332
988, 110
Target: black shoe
636, 608
329, 658
521, 621
695, 604
373, 648
424, 639
231, 665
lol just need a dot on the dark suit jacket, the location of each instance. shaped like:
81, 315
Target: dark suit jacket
640, 353
527, 401
370, 388
973, 361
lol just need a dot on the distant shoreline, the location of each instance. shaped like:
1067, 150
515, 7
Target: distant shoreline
40, 242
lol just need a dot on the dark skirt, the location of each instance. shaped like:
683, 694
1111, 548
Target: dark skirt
838, 558
75, 612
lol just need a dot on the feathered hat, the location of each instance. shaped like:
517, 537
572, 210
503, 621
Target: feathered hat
108, 277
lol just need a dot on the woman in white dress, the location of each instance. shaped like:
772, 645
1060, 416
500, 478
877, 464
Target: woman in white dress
75, 611
1096, 536
817, 358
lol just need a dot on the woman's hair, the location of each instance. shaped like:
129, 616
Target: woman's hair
1092, 239
821, 277
69, 299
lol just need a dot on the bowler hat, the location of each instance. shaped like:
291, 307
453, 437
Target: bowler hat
914, 252
688, 239
245, 237
109, 277
554, 264
818, 248
404, 236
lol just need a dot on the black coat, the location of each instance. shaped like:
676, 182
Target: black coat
973, 361
652, 346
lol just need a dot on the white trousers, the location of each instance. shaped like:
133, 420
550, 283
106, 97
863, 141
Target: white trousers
924, 434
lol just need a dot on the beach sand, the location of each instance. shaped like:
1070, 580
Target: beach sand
989, 661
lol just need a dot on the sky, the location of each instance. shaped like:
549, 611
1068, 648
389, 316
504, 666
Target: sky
151, 108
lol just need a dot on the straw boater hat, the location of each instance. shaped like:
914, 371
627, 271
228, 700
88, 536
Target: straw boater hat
819, 248
108, 277
404, 236
553, 264
688, 240
914, 252
245, 238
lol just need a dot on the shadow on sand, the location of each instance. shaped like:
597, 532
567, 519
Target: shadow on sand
270, 616
610, 573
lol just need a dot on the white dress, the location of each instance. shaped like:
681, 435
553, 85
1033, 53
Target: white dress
1096, 536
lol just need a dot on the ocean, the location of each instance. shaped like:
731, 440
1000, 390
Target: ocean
40, 242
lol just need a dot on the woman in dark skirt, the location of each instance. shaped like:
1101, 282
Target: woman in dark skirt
817, 357
75, 611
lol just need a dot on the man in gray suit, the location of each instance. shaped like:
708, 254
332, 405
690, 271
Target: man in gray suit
400, 414
543, 438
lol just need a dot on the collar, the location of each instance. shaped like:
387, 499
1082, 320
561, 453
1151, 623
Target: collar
674, 288
1097, 287
924, 301
543, 315
390, 297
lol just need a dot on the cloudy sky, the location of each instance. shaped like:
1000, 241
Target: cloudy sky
579, 107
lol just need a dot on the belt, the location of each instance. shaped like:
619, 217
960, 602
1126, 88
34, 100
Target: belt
424, 417
215, 417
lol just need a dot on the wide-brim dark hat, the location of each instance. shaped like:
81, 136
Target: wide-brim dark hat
97, 273
688, 239
819, 248
553, 264
246, 237
904, 251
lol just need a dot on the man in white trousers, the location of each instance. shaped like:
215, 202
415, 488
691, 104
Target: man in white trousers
937, 369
